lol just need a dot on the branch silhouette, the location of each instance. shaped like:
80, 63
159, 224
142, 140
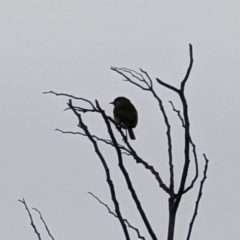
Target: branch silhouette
144, 82
111, 212
31, 219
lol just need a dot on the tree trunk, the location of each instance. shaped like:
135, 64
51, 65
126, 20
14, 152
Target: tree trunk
172, 217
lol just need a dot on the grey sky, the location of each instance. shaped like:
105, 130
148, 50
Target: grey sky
69, 46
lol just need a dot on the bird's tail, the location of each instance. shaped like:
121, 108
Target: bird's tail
131, 134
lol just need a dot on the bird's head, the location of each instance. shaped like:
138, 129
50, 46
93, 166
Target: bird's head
119, 99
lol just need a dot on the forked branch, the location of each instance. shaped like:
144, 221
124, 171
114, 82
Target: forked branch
31, 219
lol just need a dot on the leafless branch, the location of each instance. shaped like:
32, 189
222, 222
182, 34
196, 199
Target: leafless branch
47, 229
187, 137
189, 68
84, 110
167, 85
106, 141
199, 197
84, 127
174, 201
128, 151
31, 219
122, 72
134, 74
72, 97
138, 159
126, 175
149, 87
194, 150
148, 77
186, 124
196, 168
178, 113
143, 81
119, 154
111, 212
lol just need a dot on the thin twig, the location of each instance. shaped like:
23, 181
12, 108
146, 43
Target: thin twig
194, 151
198, 198
106, 141
149, 79
133, 73
31, 219
47, 229
196, 168
178, 113
120, 71
189, 68
71, 96
111, 212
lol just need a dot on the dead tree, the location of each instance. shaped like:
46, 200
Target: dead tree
143, 81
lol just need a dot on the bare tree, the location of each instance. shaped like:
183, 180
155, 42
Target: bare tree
143, 81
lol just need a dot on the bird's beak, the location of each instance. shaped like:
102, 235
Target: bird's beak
111, 103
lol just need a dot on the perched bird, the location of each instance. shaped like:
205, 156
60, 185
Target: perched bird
125, 114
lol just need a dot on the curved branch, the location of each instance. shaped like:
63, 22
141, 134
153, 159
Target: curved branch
199, 197
196, 168
31, 219
45, 225
71, 96
194, 151
111, 212
189, 68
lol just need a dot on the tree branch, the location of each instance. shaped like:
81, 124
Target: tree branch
187, 131
111, 212
125, 174
149, 84
107, 171
72, 97
47, 229
106, 141
194, 150
199, 197
128, 151
189, 68
196, 168
31, 219
138, 159
178, 113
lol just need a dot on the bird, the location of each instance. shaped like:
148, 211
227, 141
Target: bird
125, 115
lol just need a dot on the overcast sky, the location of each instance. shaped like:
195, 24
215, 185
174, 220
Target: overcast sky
69, 46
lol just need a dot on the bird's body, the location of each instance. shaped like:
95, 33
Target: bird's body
125, 114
